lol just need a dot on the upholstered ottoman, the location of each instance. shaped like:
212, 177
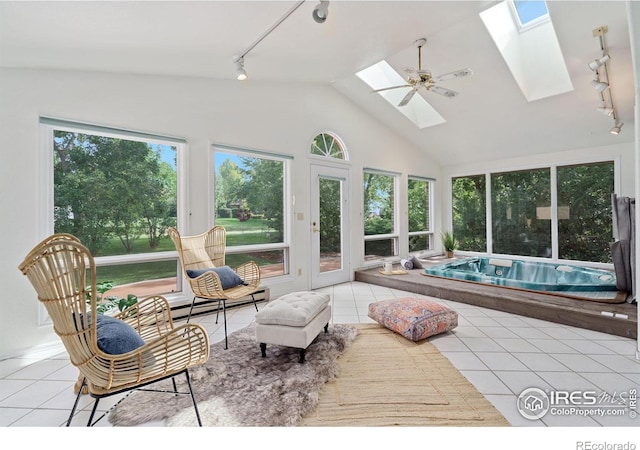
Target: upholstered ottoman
293, 320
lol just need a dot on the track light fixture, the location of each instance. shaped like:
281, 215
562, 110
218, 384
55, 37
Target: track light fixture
599, 85
321, 11
596, 63
241, 74
606, 110
616, 128
602, 83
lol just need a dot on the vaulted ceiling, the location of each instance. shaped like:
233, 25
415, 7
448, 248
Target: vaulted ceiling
490, 118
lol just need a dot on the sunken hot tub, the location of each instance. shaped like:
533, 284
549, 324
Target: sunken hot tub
529, 275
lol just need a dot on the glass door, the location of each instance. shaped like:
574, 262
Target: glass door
329, 226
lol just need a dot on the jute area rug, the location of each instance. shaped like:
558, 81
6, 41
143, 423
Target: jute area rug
356, 375
237, 387
387, 380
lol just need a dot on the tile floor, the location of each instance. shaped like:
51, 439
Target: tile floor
502, 354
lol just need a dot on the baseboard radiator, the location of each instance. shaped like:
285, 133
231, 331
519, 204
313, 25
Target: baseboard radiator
203, 306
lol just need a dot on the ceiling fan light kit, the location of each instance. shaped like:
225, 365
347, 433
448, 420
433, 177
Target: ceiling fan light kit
421, 78
602, 83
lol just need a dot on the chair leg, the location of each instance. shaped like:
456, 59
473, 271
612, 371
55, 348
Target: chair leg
218, 310
93, 411
224, 314
193, 302
193, 398
254, 302
75, 404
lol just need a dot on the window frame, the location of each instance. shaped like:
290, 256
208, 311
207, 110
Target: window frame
554, 204
285, 246
428, 231
395, 235
47, 126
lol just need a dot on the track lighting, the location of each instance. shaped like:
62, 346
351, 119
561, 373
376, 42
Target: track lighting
599, 85
596, 63
616, 128
321, 11
602, 82
606, 110
241, 74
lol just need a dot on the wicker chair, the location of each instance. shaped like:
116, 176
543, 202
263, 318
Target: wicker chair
207, 251
58, 268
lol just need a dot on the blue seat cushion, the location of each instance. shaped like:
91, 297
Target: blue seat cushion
228, 277
115, 336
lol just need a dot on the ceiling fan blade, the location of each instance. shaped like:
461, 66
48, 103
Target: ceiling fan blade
392, 87
443, 91
408, 97
455, 74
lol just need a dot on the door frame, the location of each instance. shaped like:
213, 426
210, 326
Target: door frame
337, 171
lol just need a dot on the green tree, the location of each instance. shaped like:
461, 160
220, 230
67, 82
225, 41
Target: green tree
103, 188
263, 191
469, 212
330, 215
229, 182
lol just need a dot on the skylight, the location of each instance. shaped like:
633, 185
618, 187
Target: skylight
529, 45
529, 12
382, 75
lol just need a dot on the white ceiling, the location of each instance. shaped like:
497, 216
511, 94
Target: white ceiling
490, 118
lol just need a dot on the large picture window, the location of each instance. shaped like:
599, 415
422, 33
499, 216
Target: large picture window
469, 211
380, 228
419, 202
520, 205
585, 225
117, 192
250, 190
560, 212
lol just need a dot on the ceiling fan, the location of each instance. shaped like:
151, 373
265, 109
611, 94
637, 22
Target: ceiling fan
423, 78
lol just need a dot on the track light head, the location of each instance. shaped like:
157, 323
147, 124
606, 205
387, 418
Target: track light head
241, 74
600, 86
321, 11
606, 110
616, 128
596, 63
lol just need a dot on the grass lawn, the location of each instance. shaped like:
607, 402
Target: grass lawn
253, 231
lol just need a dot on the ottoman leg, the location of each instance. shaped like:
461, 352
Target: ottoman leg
326, 328
302, 353
263, 349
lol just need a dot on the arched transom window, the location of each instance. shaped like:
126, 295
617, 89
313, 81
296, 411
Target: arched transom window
329, 146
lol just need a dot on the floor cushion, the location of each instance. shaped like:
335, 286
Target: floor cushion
414, 318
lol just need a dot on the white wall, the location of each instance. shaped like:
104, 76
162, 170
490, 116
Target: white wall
280, 118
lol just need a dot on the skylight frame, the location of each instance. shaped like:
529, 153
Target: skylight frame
534, 57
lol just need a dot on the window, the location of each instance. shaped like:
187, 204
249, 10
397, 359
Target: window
585, 225
419, 214
329, 146
559, 212
380, 230
525, 37
529, 13
250, 190
470, 212
117, 192
521, 224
